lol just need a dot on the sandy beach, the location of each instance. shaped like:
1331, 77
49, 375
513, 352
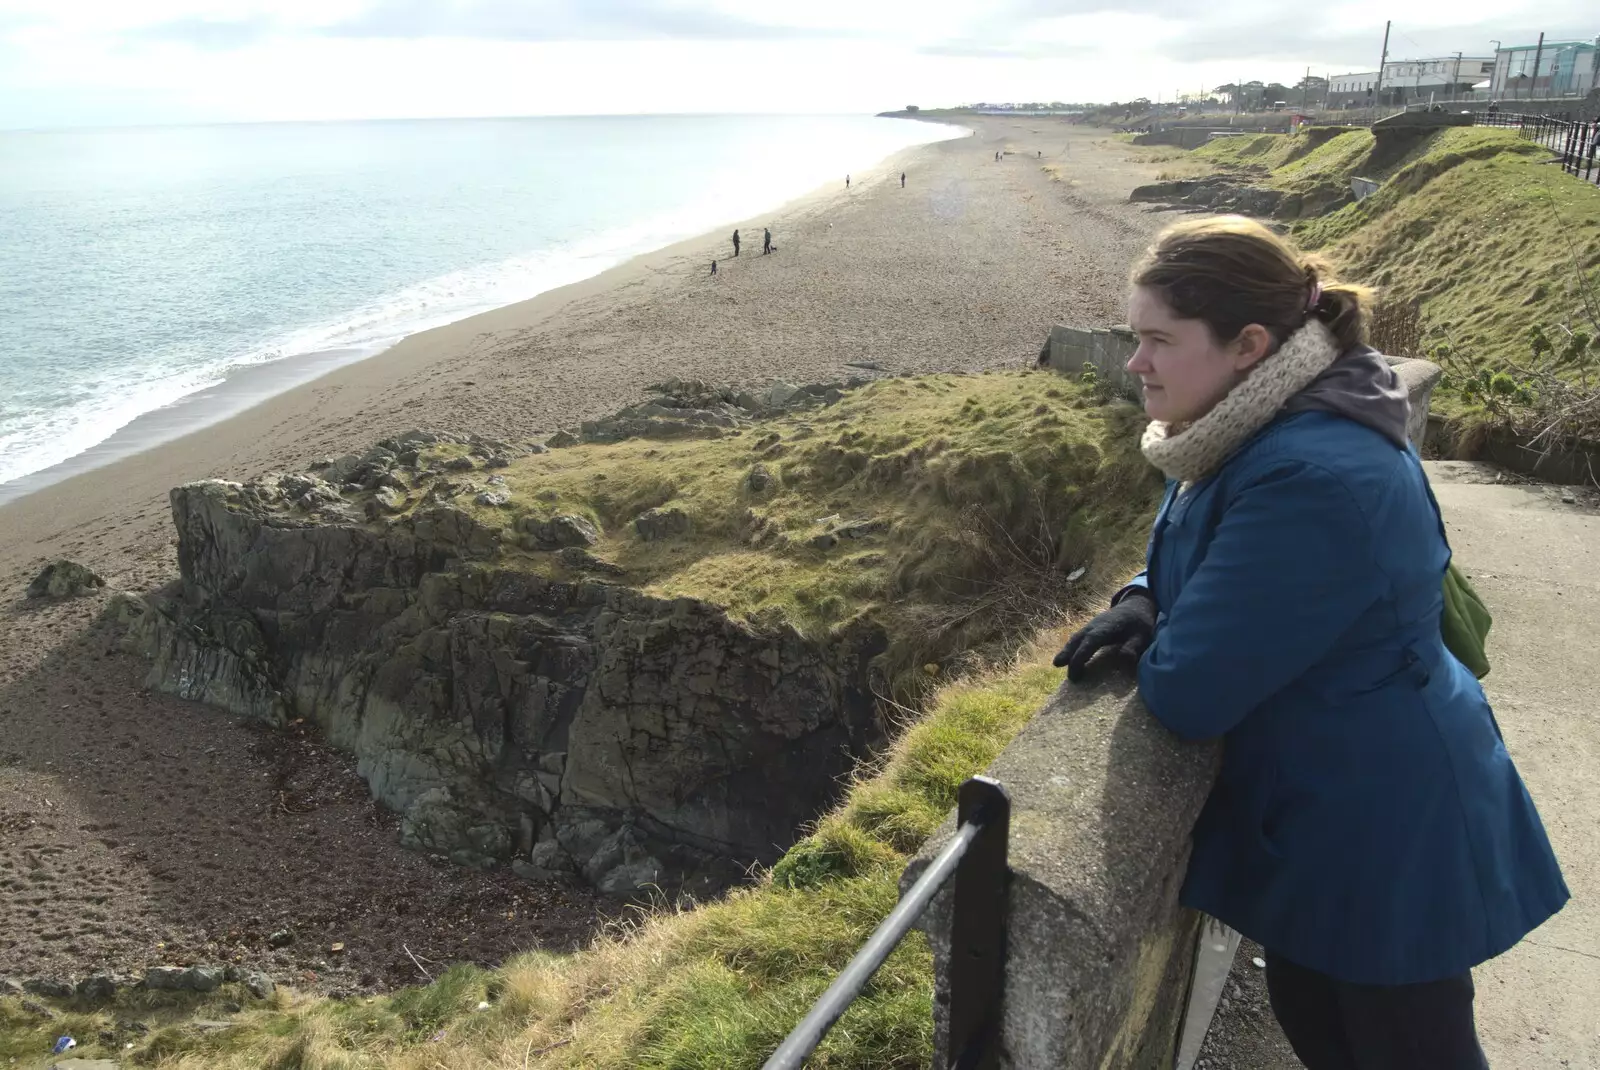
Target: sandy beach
135, 828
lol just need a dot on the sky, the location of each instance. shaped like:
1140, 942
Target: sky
124, 62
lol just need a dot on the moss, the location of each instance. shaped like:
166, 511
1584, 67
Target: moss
965, 484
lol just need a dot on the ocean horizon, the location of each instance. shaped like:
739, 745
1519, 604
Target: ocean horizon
144, 266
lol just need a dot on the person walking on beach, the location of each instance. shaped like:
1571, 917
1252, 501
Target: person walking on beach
846, 181
766, 240
1368, 827
902, 180
713, 268
736, 243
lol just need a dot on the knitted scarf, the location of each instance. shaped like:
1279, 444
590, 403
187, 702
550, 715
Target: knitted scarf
1194, 451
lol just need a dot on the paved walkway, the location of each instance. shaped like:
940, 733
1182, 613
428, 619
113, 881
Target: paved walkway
1536, 560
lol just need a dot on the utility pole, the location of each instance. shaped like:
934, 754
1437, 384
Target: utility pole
1455, 77
1537, 53
1305, 87
1378, 89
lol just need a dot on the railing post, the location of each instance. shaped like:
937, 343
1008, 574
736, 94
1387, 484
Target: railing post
978, 928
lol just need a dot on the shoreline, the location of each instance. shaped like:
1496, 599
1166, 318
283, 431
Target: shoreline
249, 385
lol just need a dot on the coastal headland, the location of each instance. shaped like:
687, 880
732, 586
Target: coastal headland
149, 829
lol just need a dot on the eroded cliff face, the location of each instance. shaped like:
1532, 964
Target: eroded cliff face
563, 726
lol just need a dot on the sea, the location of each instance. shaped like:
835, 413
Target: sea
141, 267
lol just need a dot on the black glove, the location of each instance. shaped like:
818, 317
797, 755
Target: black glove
1127, 627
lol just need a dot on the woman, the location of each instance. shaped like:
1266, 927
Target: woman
1368, 827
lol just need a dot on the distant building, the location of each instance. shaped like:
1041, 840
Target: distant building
1351, 90
1554, 69
1407, 81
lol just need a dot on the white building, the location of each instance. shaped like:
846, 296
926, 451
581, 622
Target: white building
1351, 90
1444, 75
1406, 81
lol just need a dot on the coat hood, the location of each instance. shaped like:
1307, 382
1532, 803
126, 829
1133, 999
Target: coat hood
1359, 386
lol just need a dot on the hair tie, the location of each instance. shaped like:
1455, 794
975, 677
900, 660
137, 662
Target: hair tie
1316, 298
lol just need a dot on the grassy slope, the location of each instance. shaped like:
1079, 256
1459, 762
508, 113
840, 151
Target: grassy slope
1472, 223
955, 468
956, 465
717, 987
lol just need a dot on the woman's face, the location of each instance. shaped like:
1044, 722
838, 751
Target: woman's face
1185, 371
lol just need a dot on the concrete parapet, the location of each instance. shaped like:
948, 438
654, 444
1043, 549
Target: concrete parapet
1419, 377
1105, 349
1099, 952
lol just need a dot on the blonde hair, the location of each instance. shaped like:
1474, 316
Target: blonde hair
1230, 272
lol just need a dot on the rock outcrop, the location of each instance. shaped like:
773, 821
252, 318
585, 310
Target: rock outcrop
1233, 193
564, 726
64, 579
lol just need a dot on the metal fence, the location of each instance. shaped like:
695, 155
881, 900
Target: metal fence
1576, 144
976, 858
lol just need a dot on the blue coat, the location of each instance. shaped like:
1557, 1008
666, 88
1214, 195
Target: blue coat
1368, 822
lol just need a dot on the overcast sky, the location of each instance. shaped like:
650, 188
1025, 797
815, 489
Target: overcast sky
77, 62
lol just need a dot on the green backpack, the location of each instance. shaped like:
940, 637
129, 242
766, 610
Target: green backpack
1465, 622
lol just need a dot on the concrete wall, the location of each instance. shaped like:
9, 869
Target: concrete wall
1185, 137
1105, 349
1098, 950
1100, 956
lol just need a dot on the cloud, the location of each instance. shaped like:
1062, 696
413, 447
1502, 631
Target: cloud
1021, 50
1286, 37
558, 20
209, 34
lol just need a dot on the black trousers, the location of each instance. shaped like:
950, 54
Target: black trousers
1334, 1025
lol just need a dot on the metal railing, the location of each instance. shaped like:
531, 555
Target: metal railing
976, 858
1576, 144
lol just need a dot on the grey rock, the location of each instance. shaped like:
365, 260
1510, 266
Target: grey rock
64, 579
258, 984
460, 464
561, 439
662, 523
338, 469
98, 988
558, 532
201, 979
11, 987
390, 500
759, 480
578, 558
488, 705
49, 987
827, 540
778, 394
164, 978
280, 938
496, 497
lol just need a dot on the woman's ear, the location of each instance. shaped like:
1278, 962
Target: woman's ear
1251, 347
